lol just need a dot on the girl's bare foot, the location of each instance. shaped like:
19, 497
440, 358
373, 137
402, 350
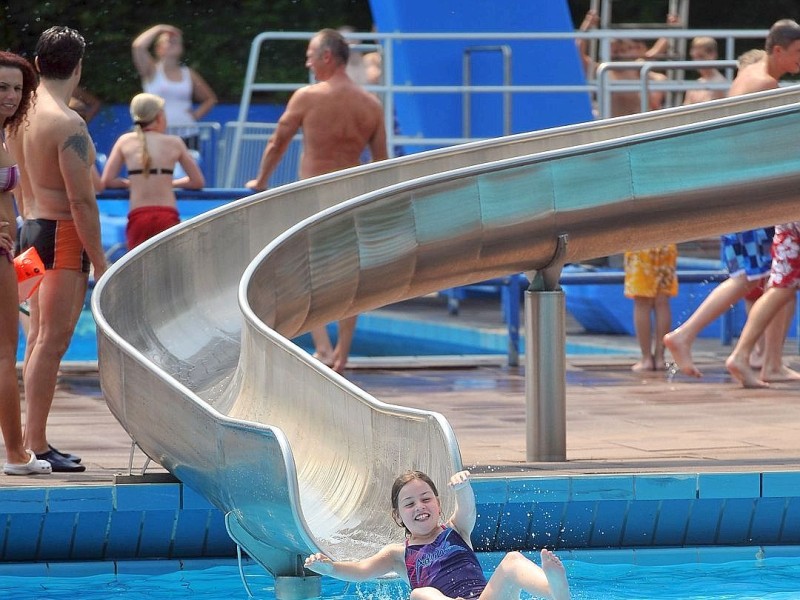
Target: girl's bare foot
741, 371
556, 576
644, 364
681, 352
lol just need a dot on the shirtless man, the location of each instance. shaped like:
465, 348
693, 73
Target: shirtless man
55, 155
339, 120
748, 251
705, 48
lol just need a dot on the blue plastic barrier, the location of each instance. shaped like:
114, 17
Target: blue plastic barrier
440, 62
595, 319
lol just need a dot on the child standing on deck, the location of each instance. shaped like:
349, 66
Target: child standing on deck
651, 279
437, 559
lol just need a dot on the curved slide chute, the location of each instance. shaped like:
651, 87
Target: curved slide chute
194, 326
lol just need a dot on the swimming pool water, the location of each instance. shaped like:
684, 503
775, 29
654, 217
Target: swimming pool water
766, 579
365, 343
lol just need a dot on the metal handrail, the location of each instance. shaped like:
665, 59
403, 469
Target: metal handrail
643, 85
389, 90
505, 51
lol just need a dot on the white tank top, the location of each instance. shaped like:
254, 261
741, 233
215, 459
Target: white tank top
177, 97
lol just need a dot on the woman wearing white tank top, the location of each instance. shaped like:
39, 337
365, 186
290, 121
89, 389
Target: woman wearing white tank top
164, 75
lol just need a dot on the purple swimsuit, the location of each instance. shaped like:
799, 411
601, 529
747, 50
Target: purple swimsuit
447, 564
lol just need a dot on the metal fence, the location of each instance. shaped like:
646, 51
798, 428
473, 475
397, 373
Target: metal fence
234, 169
207, 153
242, 142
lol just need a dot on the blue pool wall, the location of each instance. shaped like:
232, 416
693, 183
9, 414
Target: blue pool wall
438, 62
564, 513
604, 310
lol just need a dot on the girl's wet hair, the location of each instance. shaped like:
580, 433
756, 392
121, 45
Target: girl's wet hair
398, 485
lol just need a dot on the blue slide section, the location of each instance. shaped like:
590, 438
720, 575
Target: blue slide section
434, 62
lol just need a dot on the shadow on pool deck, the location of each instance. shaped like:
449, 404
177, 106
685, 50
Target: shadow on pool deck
617, 421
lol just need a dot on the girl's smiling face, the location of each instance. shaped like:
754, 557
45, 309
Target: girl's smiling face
418, 507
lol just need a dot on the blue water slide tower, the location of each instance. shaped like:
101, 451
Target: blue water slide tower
488, 62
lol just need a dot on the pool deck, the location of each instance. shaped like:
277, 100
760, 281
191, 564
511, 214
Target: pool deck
617, 421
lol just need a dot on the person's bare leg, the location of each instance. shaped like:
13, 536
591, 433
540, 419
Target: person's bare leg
323, 349
347, 328
679, 341
764, 309
10, 416
773, 368
515, 572
663, 323
642, 324
757, 355
57, 318
33, 329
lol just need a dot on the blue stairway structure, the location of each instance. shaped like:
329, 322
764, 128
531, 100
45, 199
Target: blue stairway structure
442, 62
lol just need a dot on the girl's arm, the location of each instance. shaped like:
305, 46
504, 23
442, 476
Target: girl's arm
97, 180
194, 179
112, 168
465, 514
386, 560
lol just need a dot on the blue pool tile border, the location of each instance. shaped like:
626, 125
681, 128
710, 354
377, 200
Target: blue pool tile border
563, 513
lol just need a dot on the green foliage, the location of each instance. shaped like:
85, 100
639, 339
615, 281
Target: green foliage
217, 36
703, 14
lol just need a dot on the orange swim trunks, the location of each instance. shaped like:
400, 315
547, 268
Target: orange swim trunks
652, 272
57, 243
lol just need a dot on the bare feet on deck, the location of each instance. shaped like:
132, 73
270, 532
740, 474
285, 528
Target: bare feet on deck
681, 351
556, 576
643, 365
783, 374
740, 370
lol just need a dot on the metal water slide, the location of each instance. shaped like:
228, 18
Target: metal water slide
194, 326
